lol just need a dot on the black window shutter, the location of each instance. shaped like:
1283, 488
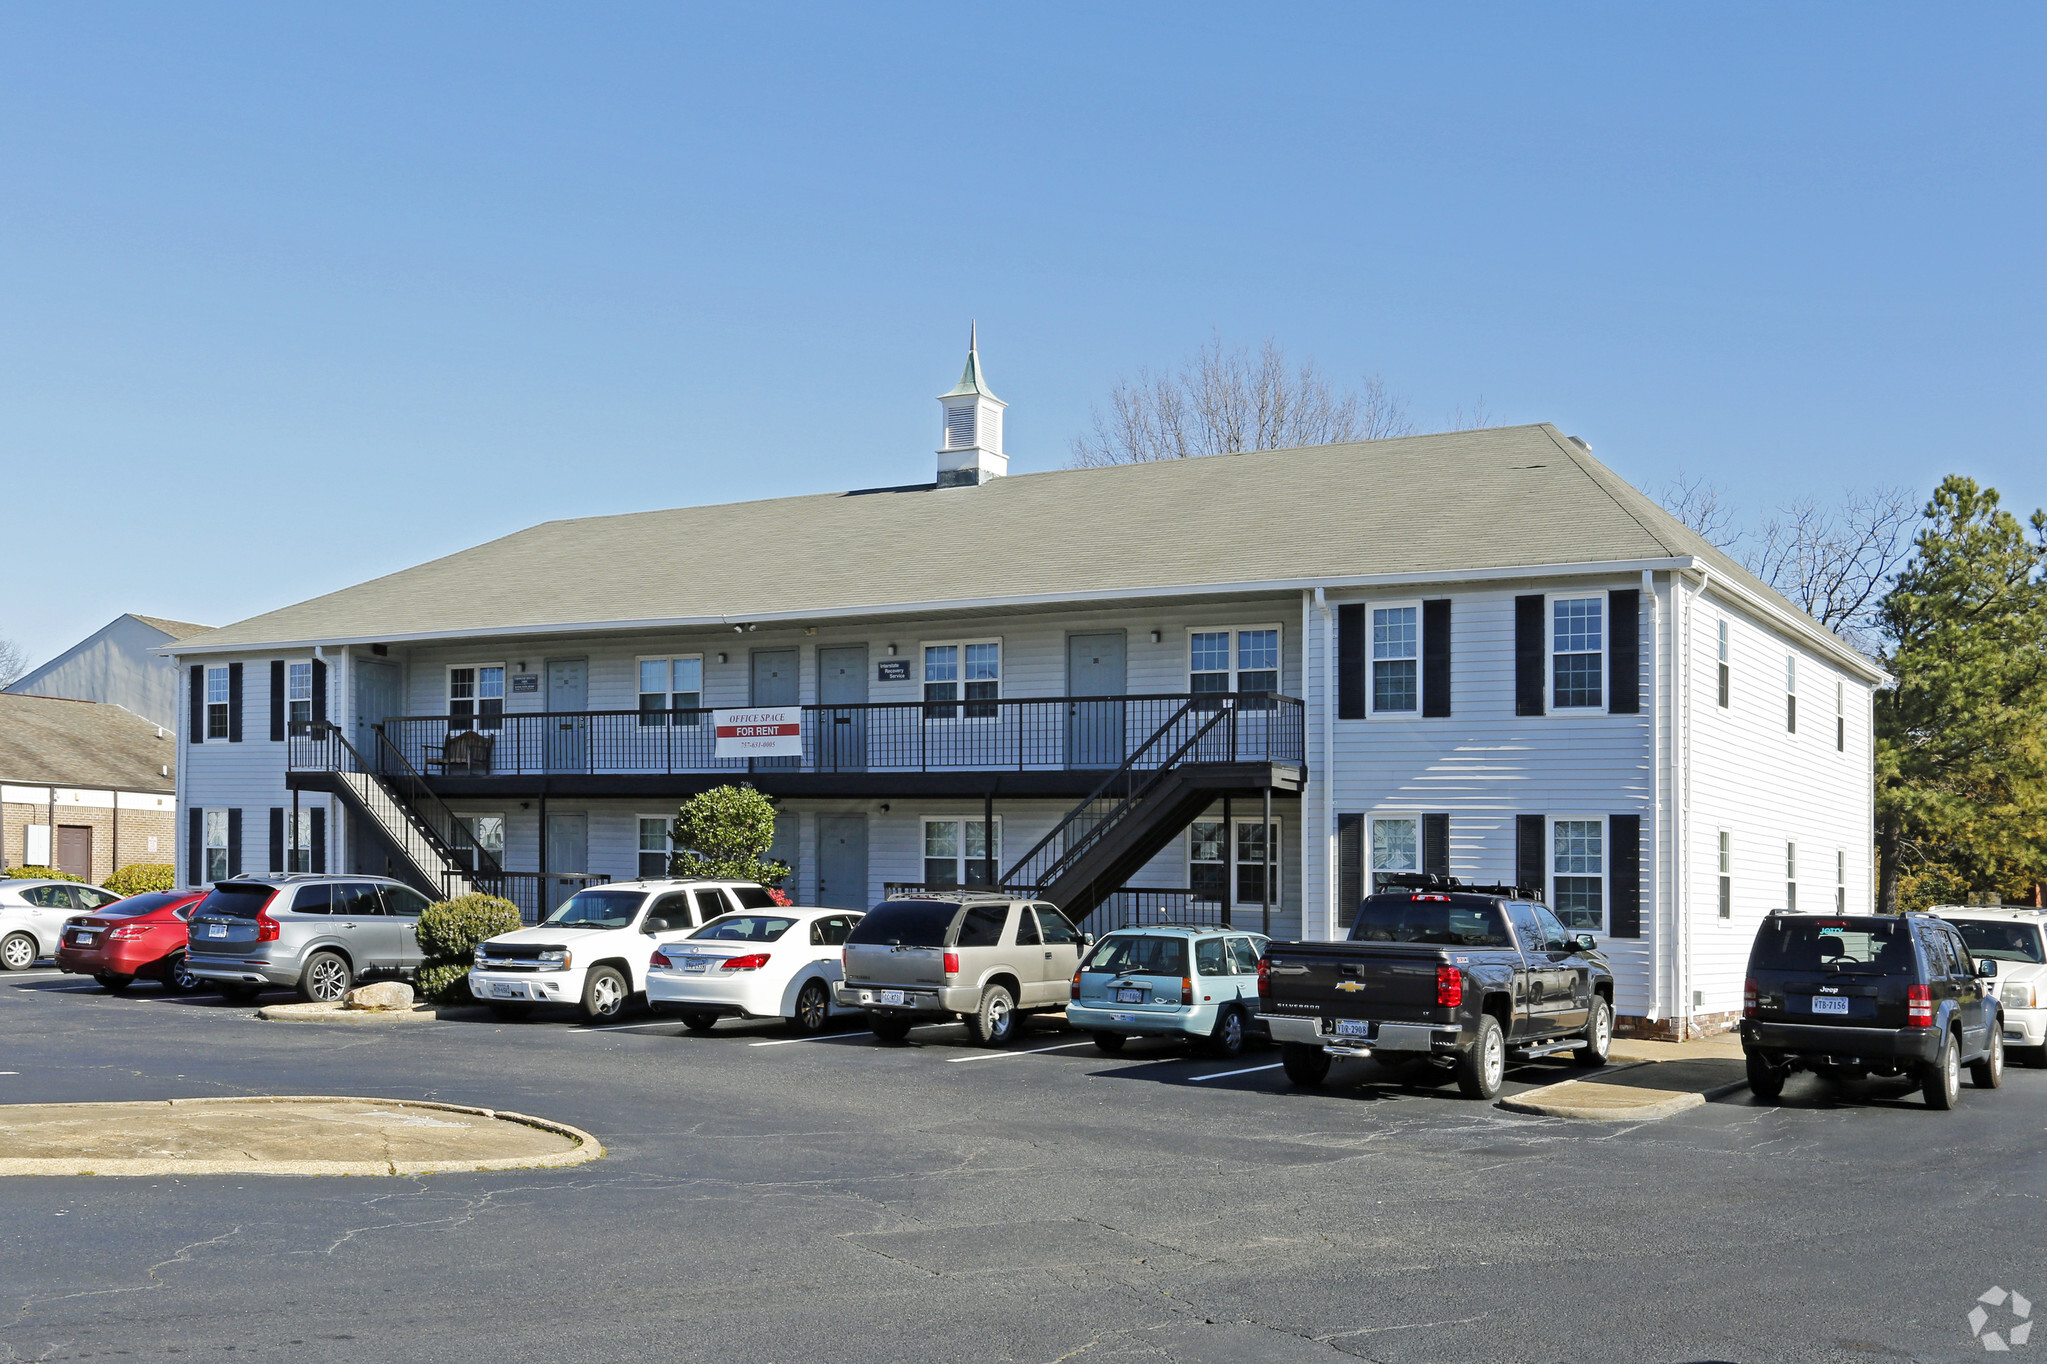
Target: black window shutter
319, 849
1531, 862
195, 847
1436, 657
320, 691
1350, 868
1436, 844
1625, 898
1350, 662
234, 703
276, 700
1624, 652
277, 838
196, 721
234, 841
1529, 654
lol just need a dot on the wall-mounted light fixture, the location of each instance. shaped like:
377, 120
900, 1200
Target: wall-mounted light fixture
810, 629
884, 807
723, 658
891, 651
1156, 636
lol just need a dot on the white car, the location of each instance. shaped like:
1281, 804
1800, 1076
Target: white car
2013, 939
776, 963
592, 952
32, 915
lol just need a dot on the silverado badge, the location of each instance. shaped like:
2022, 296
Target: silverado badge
1350, 985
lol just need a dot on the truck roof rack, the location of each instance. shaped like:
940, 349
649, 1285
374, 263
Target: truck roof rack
1421, 880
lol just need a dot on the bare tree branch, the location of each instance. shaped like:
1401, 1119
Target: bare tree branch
1837, 562
1477, 419
13, 662
1702, 506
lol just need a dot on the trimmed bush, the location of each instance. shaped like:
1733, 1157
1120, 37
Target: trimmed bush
40, 874
448, 934
722, 832
140, 877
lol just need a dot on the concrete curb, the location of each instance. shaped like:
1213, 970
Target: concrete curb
587, 1147
1590, 1102
347, 1017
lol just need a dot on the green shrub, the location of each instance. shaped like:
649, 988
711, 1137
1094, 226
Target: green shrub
40, 874
448, 934
139, 877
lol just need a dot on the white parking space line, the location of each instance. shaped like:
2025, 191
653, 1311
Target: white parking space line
835, 1036
1034, 1051
621, 1027
1226, 1074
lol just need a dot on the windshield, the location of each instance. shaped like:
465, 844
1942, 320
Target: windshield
599, 909
1139, 954
2002, 939
745, 928
1435, 919
147, 903
235, 902
906, 923
1875, 947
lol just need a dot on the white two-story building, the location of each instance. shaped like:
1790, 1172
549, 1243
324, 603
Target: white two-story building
1232, 688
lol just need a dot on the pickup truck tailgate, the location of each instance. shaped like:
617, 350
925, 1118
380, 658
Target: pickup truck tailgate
1391, 982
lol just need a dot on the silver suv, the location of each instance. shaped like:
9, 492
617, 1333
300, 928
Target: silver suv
985, 958
319, 934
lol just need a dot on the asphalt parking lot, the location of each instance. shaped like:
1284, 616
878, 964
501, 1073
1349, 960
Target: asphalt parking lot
767, 1199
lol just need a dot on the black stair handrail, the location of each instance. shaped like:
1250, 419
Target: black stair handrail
423, 795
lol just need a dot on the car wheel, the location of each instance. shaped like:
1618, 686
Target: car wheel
1598, 1035
509, 1013
1227, 1041
326, 978
1766, 1079
1483, 1065
1988, 1073
700, 1022
112, 981
813, 1009
1942, 1081
994, 1023
891, 1029
1306, 1066
178, 978
17, 952
1109, 1043
604, 994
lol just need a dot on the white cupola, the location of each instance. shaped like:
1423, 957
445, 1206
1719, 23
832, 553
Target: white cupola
972, 450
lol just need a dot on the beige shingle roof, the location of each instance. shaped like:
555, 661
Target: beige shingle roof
81, 743
1450, 504
176, 629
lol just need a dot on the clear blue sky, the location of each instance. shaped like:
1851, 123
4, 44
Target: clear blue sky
292, 296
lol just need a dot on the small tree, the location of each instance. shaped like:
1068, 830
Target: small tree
448, 933
724, 833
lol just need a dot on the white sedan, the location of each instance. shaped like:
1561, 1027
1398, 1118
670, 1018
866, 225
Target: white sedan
769, 963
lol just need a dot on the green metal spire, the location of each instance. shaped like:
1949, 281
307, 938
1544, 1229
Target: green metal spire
970, 384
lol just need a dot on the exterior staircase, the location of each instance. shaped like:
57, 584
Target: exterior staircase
439, 854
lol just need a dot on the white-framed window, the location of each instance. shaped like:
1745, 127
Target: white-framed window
298, 696
488, 832
959, 853
671, 684
1254, 839
214, 822
1577, 653
1212, 853
1791, 876
1726, 874
1208, 861
217, 699
1396, 847
1239, 659
1724, 661
962, 670
298, 840
1396, 658
476, 696
1840, 880
657, 845
1578, 873
1791, 693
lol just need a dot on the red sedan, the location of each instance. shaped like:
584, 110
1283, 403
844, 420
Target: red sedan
143, 935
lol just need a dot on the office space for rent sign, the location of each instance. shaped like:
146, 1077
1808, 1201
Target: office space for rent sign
774, 732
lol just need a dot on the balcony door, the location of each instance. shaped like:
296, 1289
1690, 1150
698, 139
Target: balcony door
842, 734
568, 731
376, 700
1095, 666
842, 861
776, 682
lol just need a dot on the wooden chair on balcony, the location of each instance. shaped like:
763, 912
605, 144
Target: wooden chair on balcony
464, 755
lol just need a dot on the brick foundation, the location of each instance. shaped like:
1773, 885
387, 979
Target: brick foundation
1675, 1029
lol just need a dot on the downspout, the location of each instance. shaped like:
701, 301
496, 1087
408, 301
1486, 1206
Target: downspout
1328, 713
1659, 821
1683, 845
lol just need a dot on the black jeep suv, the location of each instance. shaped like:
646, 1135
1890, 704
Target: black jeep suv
1855, 995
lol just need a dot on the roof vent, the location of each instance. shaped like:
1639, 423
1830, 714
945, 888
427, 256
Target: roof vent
1579, 441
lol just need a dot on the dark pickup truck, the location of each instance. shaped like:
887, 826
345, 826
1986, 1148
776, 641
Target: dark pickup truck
1441, 971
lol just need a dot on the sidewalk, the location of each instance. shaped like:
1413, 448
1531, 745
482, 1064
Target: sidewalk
1643, 1081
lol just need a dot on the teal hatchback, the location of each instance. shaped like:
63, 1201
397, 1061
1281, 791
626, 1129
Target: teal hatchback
1170, 981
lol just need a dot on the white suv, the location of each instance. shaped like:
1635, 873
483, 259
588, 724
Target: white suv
593, 951
2014, 939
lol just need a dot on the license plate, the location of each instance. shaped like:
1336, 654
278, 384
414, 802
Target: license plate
1130, 996
1353, 1027
508, 991
1829, 1004
82, 940
216, 930
696, 966
891, 997
1122, 1018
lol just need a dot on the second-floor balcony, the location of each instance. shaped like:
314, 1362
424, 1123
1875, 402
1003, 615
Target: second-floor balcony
1043, 734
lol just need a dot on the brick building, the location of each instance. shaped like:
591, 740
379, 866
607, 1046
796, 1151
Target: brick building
85, 787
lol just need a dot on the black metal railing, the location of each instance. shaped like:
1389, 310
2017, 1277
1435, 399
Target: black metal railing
1042, 733
536, 893
319, 746
1130, 907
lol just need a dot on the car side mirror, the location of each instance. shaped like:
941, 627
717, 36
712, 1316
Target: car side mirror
1584, 942
1087, 940
1986, 967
